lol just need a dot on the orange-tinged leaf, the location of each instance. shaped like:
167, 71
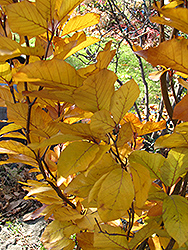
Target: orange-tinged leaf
111, 238
116, 195
174, 166
143, 233
46, 8
29, 22
47, 73
86, 240
174, 17
123, 99
96, 92
152, 162
5, 95
181, 111
102, 122
155, 210
5, 2
125, 134
142, 183
80, 22
167, 54
76, 157
175, 218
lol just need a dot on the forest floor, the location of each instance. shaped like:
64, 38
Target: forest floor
18, 231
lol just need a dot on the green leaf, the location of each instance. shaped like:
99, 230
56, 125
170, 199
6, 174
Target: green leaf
175, 218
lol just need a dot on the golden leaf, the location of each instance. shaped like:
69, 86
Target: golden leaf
175, 218
76, 157
86, 240
47, 74
28, 19
88, 222
80, 22
174, 17
66, 213
65, 7
5, 72
9, 128
153, 162
174, 166
5, 2
46, 8
123, 99
142, 183
111, 238
102, 122
116, 195
125, 134
155, 193
96, 92
167, 54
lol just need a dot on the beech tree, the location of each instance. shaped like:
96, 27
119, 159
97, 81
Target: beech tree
101, 190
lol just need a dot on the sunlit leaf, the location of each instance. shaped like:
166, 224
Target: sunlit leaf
5, 72
116, 195
96, 92
80, 22
167, 54
151, 161
174, 17
67, 6
123, 99
175, 165
76, 157
125, 134
175, 218
28, 19
112, 238
143, 233
142, 183
5, 2
46, 8
10, 127
47, 73
64, 213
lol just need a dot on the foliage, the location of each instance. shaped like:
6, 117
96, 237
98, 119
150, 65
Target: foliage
100, 189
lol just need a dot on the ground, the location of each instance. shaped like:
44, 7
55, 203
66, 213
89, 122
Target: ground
17, 230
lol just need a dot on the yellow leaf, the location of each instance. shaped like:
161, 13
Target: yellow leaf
58, 95
153, 162
167, 54
80, 22
174, 166
142, 183
174, 17
123, 99
29, 22
67, 6
47, 74
116, 195
144, 233
96, 92
70, 45
14, 158
5, 95
155, 193
46, 8
5, 72
76, 157
88, 221
14, 147
5, 2
111, 238
53, 236
175, 218
63, 213
9, 128
102, 122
